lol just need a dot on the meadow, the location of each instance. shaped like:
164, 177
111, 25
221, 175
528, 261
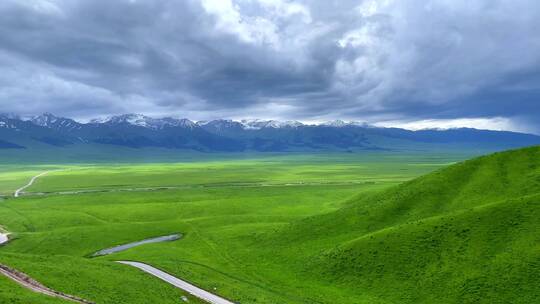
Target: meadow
284, 229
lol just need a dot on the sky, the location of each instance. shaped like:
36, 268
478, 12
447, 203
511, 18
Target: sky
408, 63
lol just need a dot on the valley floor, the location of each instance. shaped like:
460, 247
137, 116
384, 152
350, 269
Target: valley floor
253, 231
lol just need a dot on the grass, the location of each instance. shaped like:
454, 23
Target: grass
13, 177
272, 170
310, 229
15, 294
53, 230
465, 234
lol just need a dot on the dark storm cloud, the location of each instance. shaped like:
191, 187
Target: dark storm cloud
308, 60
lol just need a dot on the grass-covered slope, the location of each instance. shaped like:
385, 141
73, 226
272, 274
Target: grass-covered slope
296, 230
469, 233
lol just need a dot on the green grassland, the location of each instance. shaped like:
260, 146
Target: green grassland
13, 177
267, 171
295, 229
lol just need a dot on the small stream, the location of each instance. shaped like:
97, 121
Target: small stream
167, 238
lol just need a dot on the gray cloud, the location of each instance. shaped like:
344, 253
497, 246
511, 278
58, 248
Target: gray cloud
309, 60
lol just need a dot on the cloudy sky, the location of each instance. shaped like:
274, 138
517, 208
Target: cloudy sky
413, 63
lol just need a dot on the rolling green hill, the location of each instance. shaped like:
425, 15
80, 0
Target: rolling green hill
469, 233
218, 205
297, 230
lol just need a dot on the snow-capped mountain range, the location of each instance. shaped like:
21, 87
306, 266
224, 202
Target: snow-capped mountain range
48, 120
140, 131
145, 121
52, 121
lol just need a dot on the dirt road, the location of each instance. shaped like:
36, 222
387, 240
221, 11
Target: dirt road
20, 190
192, 289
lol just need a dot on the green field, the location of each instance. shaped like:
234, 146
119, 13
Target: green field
340, 228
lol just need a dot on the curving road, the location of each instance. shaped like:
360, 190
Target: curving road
4, 238
20, 190
31, 284
192, 289
22, 278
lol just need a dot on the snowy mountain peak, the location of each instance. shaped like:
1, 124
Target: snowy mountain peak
335, 123
145, 121
340, 124
8, 120
44, 120
173, 122
132, 119
257, 124
49, 120
219, 124
292, 123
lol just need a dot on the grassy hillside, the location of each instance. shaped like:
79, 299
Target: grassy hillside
287, 230
465, 234
218, 205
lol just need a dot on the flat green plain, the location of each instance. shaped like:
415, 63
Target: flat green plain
335, 228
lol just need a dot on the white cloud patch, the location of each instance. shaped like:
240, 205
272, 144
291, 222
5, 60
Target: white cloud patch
494, 123
261, 28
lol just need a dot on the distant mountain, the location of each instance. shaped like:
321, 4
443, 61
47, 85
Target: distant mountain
257, 124
221, 126
340, 124
140, 131
8, 145
48, 120
145, 121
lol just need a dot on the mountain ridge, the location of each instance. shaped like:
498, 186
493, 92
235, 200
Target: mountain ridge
225, 135
47, 118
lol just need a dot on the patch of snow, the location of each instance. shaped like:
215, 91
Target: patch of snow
48, 120
220, 125
340, 124
145, 121
257, 124
44, 120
